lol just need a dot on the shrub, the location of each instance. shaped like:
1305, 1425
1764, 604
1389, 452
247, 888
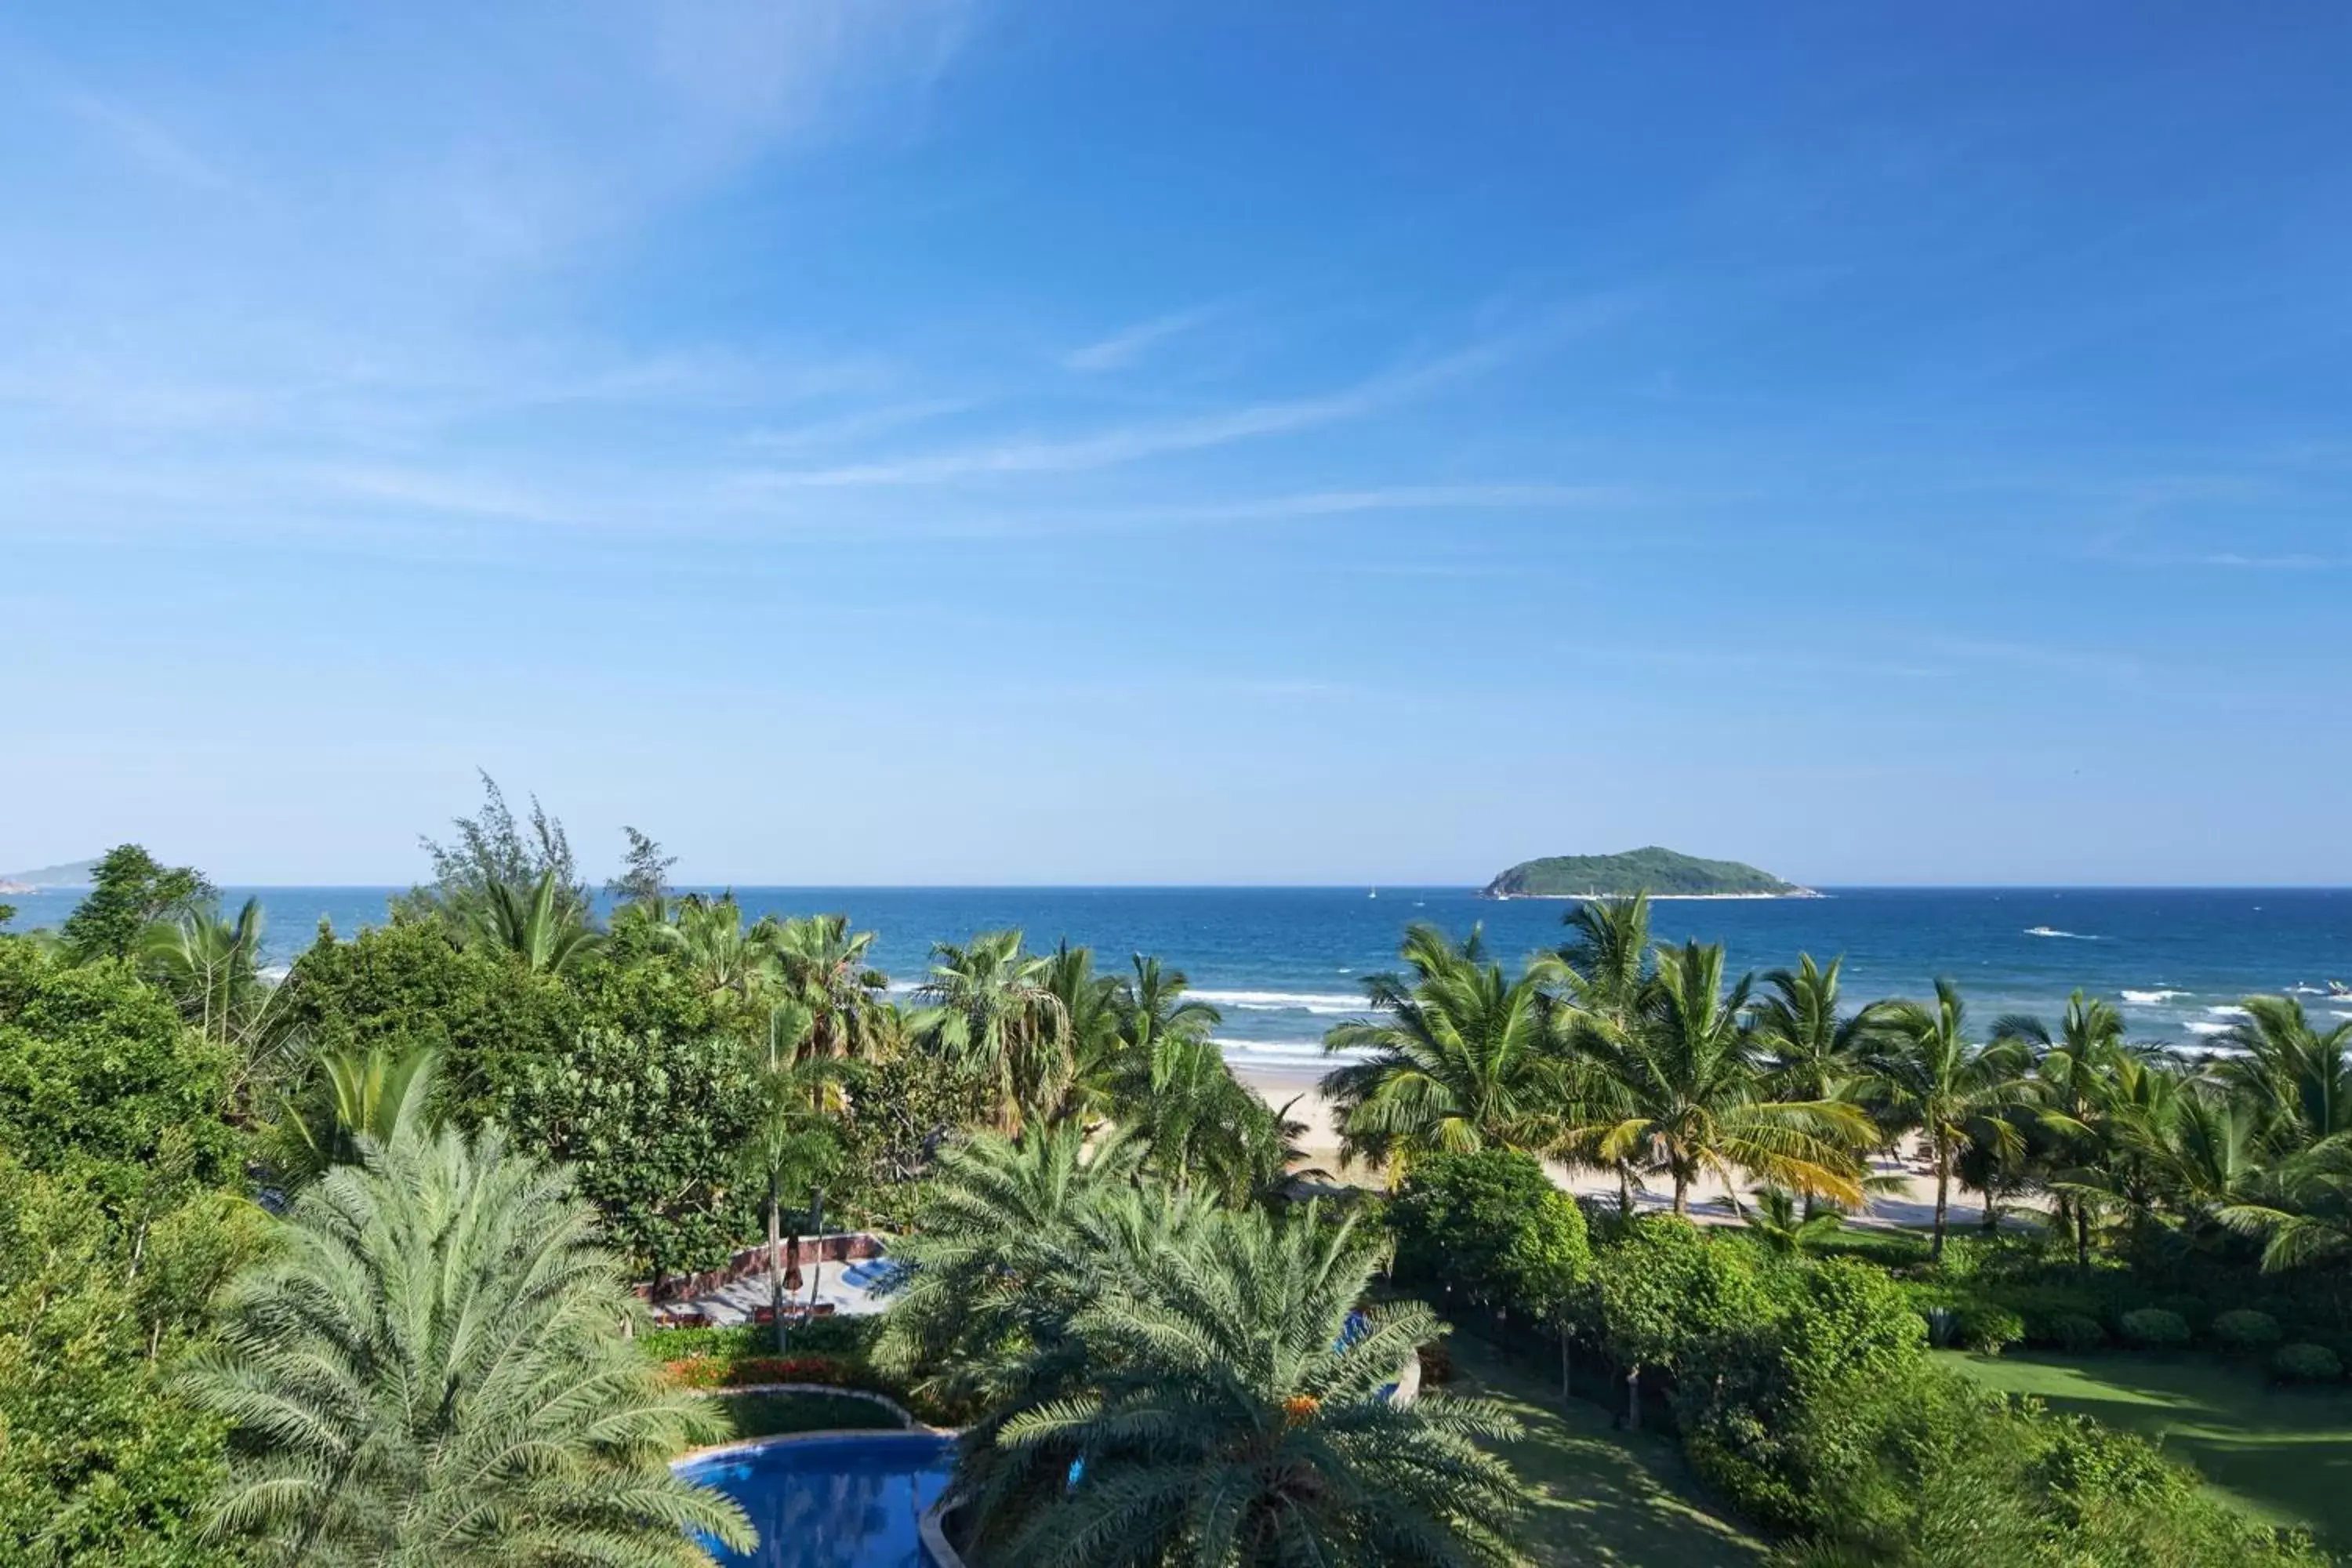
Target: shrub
2192, 1309
2307, 1363
2074, 1331
1492, 1225
2153, 1328
1988, 1328
2245, 1330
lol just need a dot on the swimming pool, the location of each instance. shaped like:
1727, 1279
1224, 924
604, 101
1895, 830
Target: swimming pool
834, 1502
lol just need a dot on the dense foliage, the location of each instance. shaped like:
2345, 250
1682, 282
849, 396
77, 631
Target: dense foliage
1649, 871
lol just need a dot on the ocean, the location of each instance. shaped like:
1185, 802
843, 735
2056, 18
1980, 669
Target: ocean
1283, 963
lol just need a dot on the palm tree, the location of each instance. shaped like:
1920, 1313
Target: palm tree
2075, 1066
725, 957
1090, 1003
1229, 1404
788, 1143
1818, 1052
2305, 1215
826, 968
543, 924
987, 1264
1196, 1122
1463, 1059
359, 1099
210, 967
431, 1368
987, 1002
1952, 1091
1604, 969
1775, 1221
2298, 1079
1687, 1093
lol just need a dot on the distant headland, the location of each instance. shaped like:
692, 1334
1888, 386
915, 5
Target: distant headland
44, 879
1660, 873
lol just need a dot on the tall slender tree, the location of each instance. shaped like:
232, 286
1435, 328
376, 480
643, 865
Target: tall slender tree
1953, 1091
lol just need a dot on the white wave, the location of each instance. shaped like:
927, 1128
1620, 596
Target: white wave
2151, 998
2338, 1013
1282, 1001
1295, 1053
2305, 991
2198, 1026
2229, 1012
2069, 935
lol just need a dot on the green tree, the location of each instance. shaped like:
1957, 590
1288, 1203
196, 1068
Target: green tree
101, 1462
490, 848
988, 1001
1951, 1090
130, 890
1817, 1051
1667, 1296
788, 1143
97, 1070
1687, 1093
1773, 1219
1228, 1406
1460, 1058
1090, 1002
653, 1126
433, 1370
1604, 970
2298, 1079
2075, 1065
645, 871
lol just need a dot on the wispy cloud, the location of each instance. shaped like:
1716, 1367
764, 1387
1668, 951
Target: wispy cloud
147, 144
1402, 497
1130, 443
860, 425
1123, 348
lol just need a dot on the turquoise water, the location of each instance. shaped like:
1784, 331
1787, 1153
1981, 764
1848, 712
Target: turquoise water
1283, 964
834, 1502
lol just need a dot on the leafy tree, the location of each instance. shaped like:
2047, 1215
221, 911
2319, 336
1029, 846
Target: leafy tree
1667, 1296
2075, 1065
97, 1069
903, 1108
1491, 1223
1226, 1405
653, 1127
410, 986
490, 848
1196, 1122
1817, 1051
1463, 1058
2297, 1078
432, 1370
1603, 971
130, 890
1097, 1047
725, 957
1687, 1093
645, 871
1955, 1092
100, 1460
987, 1002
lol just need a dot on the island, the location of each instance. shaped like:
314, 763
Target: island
1660, 873
49, 878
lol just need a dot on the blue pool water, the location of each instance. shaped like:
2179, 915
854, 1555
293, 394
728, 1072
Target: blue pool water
834, 1502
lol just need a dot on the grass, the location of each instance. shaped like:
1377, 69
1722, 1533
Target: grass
776, 1414
2284, 1455
1604, 1498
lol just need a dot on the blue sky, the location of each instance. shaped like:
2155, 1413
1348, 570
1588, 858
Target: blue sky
881, 442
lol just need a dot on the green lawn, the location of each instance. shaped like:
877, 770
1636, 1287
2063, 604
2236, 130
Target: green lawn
1610, 1499
774, 1415
2282, 1454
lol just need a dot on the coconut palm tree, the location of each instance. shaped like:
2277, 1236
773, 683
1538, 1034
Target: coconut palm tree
1196, 1122
2298, 1079
359, 1099
2075, 1065
1090, 1002
1229, 1405
2304, 1212
826, 968
1688, 1093
431, 1368
210, 967
1460, 1058
1932, 1079
543, 924
1604, 968
1818, 1052
988, 1003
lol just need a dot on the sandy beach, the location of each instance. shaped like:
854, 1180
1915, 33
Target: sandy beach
1912, 1201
